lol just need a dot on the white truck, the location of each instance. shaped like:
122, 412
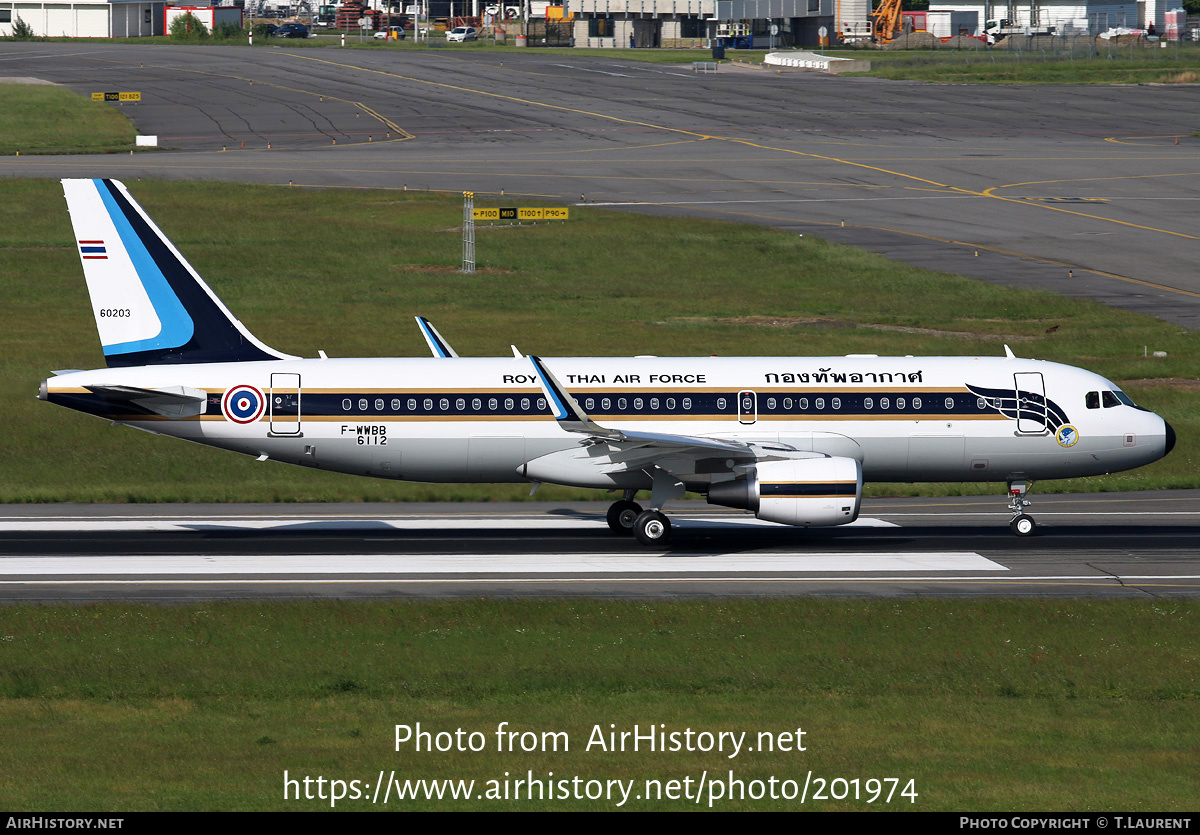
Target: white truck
998, 30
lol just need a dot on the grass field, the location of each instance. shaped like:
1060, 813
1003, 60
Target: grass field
294, 266
987, 705
967, 68
43, 119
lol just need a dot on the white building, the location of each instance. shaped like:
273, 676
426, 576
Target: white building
684, 23
85, 18
1067, 16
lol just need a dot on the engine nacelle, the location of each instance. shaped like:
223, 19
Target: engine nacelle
802, 491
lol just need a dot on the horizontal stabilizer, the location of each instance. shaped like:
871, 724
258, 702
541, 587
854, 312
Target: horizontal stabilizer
173, 402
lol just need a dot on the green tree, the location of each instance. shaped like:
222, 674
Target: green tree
188, 27
22, 31
225, 30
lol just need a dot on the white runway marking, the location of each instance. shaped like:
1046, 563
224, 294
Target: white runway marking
408, 523
453, 564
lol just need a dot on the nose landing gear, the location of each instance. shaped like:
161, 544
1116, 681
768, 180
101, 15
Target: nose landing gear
1021, 524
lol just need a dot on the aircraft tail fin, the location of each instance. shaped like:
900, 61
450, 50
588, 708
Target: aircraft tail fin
151, 307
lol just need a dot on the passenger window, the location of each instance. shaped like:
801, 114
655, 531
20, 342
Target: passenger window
444, 404
804, 404
621, 404
379, 404
362, 405
1110, 400
787, 404
346, 404
606, 404
477, 404
837, 403
899, 402
589, 404
1092, 399
916, 403
429, 404
637, 404
508, 403
884, 403
820, 404
868, 403
493, 404
687, 404
720, 404
524, 404
654, 404
949, 404
671, 403
412, 404
395, 404
542, 404
981, 404
771, 403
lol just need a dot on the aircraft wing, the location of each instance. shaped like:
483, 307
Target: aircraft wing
621, 450
173, 402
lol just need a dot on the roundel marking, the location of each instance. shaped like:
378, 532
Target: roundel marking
1067, 435
243, 404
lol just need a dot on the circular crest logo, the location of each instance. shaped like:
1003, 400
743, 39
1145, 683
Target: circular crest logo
1067, 435
243, 404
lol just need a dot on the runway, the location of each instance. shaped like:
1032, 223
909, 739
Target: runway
1131, 545
1085, 191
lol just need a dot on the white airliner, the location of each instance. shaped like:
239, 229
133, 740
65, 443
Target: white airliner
790, 438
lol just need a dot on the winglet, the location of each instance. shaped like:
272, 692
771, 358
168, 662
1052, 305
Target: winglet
1008, 354
566, 409
439, 346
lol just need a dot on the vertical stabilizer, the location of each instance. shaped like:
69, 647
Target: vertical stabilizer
151, 307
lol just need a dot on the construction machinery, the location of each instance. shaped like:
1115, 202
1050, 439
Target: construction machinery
885, 22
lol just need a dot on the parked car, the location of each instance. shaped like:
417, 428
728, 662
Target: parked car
462, 33
384, 34
292, 30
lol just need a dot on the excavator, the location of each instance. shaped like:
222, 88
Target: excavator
885, 22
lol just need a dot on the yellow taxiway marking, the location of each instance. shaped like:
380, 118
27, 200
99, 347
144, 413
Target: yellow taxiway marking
1148, 136
402, 134
740, 141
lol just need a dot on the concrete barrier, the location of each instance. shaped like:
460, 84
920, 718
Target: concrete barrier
813, 61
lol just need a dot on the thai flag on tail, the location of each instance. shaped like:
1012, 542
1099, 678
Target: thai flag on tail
93, 250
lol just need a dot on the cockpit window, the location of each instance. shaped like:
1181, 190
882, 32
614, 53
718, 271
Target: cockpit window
1124, 398
1110, 399
1093, 400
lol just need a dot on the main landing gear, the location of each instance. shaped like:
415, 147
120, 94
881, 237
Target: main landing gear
1022, 523
649, 527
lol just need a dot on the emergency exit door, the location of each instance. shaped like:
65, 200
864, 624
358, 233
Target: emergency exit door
747, 407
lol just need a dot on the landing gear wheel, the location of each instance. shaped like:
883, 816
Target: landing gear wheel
652, 528
1022, 525
622, 515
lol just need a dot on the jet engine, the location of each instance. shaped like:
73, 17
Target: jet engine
801, 491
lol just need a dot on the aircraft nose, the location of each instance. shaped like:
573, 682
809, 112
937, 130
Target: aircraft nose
1170, 440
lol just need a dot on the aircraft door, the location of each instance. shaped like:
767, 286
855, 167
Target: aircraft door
1031, 403
747, 407
285, 404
